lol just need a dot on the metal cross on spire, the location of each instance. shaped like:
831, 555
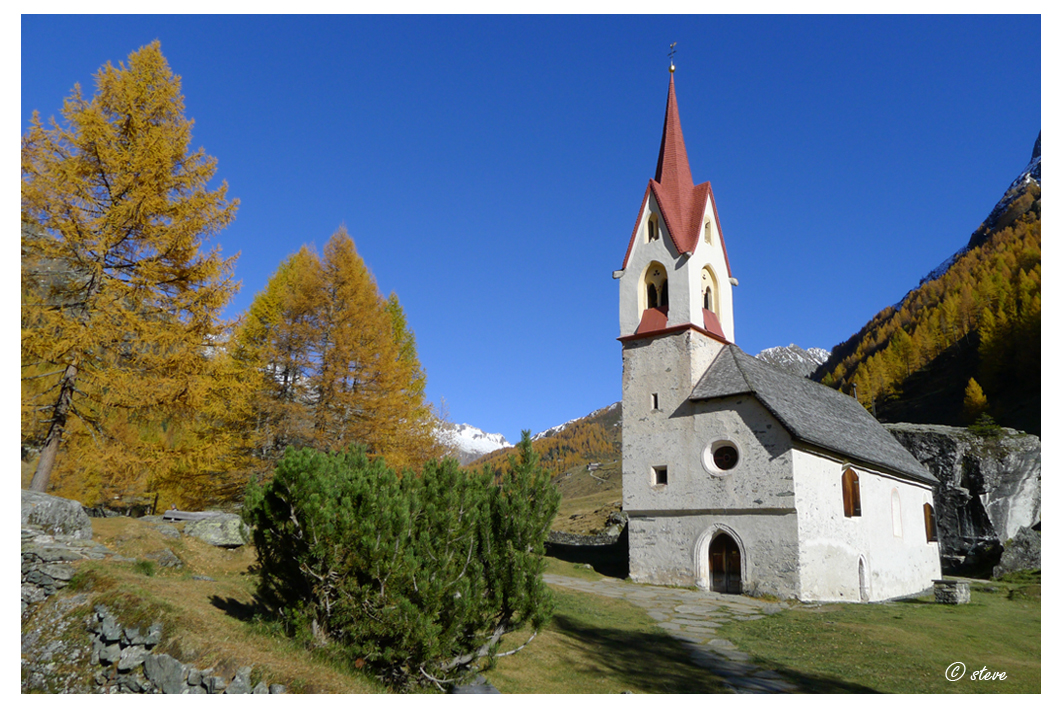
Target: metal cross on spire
671, 54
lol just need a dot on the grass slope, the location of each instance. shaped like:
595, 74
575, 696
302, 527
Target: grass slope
598, 645
904, 646
593, 644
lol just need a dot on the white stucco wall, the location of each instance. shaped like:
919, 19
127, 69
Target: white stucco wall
672, 550
664, 366
831, 544
684, 276
671, 525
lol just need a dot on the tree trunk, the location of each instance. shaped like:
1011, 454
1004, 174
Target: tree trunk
43, 475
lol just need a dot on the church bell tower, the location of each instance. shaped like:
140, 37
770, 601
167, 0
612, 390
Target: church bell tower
675, 275
675, 314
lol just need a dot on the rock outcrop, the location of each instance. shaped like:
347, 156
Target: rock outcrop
47, 560
220, 530
1023, 551
990, 485
122, 660
55, 515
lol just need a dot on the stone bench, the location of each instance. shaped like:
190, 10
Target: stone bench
952, 592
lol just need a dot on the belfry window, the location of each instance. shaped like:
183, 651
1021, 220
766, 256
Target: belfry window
708, 290
851, 493
655, 284
653, 229
708, 231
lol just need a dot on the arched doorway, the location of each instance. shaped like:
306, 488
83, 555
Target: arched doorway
725, 565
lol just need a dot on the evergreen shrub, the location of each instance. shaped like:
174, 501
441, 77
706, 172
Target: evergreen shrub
414, 576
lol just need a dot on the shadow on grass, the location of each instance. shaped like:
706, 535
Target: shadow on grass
236, 609
660, 664
650, 662
608, 560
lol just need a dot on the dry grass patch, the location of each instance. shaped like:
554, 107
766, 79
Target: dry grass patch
206, 607
587, 514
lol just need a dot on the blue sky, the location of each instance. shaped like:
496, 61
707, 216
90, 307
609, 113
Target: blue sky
490, 169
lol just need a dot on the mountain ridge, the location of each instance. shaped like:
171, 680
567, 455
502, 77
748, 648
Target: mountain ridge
977, 315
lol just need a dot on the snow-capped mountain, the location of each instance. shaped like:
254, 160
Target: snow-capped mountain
469, 442
561, 427
794, 359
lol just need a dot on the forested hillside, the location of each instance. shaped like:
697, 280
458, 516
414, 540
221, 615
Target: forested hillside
980, 320
594, 438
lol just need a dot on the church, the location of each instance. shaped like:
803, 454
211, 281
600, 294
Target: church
739, 477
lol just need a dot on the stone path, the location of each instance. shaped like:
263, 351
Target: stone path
692, 617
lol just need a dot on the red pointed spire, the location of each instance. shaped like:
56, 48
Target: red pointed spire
682, 202
673, 168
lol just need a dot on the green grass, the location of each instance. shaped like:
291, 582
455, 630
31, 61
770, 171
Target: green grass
599, 645
593, 644
904, 646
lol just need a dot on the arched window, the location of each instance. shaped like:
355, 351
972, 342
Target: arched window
851, 493
708, 289
895, 503
655, 287
931, 523
653, 229
708, 231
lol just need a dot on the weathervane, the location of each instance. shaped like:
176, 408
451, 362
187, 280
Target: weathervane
670, 55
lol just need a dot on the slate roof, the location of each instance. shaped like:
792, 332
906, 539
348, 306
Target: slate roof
811, 412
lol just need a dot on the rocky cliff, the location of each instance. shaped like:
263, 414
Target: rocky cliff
990, 485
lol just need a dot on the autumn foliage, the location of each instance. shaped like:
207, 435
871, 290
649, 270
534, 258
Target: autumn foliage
337, 363
120, 301
592, 439
133, 388
990, 298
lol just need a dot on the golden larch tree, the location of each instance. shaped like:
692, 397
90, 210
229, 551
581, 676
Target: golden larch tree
339, 365
118, 204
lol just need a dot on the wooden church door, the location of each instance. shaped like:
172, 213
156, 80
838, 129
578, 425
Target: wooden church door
725, 565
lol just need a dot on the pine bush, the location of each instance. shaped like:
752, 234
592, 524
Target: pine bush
415, 576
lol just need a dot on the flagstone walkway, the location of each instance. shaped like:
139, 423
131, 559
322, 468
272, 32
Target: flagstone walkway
693, 617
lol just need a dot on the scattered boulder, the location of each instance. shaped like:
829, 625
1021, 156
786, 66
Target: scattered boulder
55, 515
165, 558
221, 530
981, 559
241, 683
478, 685
1023, 551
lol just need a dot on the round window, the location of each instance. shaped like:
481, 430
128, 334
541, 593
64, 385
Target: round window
720, 457
725, 457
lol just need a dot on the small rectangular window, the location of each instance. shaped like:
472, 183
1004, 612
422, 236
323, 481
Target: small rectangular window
660, 475
655, 402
